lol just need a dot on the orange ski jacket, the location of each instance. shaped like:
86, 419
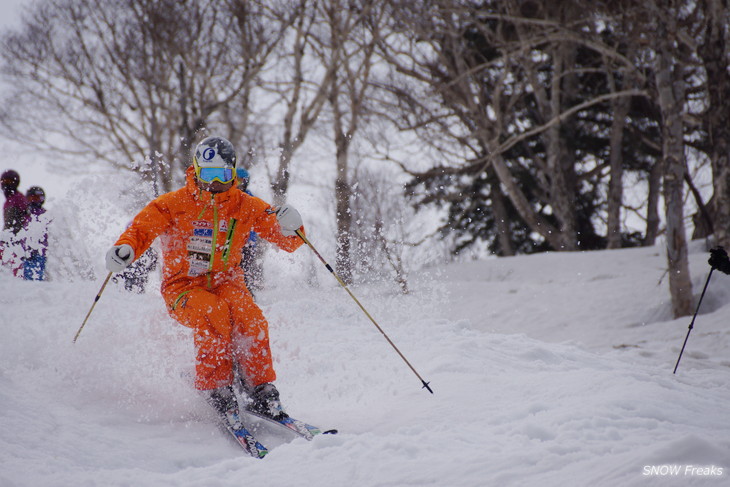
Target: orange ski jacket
202, 235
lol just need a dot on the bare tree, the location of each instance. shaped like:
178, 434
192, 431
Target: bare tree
382, 237
713, 52
671, 95
353, 36
506, 82
654, 185
131, 83
620, 110
302, 89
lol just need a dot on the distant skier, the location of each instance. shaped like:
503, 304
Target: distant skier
15, 209
15, 218
249, 260
36, 240
203, 228
135, 276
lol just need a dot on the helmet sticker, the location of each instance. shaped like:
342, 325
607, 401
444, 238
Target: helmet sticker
208, 154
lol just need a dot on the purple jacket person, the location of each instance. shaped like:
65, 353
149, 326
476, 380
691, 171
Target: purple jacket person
36, 240
15, 209
15, 218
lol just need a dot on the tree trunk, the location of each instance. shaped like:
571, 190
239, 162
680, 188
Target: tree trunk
559, 160
522, 204
713, 54
499, 208
652, 205
615, 184
343, 195
671, 93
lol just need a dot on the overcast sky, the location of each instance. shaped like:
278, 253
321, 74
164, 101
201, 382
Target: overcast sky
10, 11
33, 168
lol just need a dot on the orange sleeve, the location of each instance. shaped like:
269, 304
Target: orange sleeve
149, 223
267, 227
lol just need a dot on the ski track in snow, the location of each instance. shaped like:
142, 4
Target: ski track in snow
547, 370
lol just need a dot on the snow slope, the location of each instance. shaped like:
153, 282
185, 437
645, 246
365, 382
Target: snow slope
548, 370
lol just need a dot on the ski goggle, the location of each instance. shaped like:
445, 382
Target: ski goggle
222, 174
36, 198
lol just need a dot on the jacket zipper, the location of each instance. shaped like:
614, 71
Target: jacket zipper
215, 240
229, 238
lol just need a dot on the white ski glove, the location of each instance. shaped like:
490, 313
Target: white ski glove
119, 257
289, 220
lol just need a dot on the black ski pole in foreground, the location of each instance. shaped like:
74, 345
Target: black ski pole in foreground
692, 323
329, 268
98, 295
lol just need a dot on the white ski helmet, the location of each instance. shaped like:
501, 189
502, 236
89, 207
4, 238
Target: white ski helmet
215, 159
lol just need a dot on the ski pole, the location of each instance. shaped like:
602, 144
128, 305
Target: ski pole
692, 323
92, 306
329, 268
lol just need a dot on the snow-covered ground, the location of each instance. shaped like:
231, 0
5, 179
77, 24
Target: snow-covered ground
547, 370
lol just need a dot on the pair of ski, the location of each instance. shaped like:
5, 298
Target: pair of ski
249, 443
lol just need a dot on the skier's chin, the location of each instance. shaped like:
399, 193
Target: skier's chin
215, 187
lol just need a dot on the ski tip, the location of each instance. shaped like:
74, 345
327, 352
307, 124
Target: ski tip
426, 386
330, 432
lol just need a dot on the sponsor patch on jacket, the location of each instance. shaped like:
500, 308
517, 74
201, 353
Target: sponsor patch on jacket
199, 248
203, 232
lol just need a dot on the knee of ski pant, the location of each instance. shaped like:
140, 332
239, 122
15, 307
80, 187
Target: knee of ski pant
202, 311
248, 318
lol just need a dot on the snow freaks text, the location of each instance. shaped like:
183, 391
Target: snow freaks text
683, 471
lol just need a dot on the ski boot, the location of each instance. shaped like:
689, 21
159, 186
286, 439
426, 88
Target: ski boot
224, 402
265, 402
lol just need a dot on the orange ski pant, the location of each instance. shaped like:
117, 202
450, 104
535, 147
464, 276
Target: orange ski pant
228, 326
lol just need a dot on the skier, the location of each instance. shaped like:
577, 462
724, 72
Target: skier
34, 266
15, 219
719, 260
203, 228
251, 266
243, 179
15, 209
